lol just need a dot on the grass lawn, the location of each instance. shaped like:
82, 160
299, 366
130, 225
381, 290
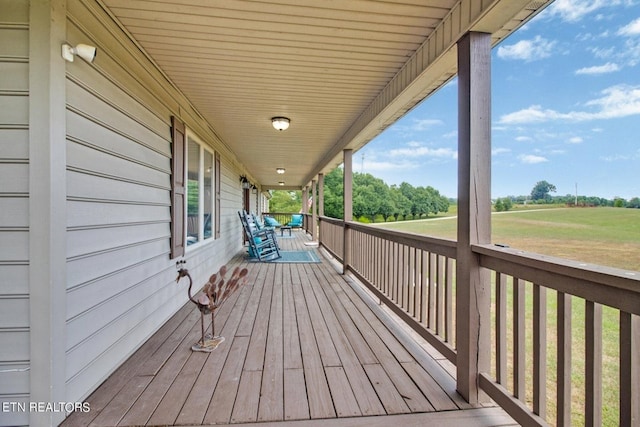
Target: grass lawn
603, 236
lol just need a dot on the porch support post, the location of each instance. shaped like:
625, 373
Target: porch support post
314, 214
474, 212
320, 203
347, 185
305, 200
321, 194
47, 208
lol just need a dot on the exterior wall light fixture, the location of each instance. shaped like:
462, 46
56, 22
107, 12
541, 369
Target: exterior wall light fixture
84, 51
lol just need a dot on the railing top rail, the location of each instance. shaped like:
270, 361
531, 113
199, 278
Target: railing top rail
606, 285
431, 244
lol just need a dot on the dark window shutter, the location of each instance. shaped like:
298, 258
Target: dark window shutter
218, 172
177, 187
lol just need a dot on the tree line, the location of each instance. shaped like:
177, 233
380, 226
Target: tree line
373, 199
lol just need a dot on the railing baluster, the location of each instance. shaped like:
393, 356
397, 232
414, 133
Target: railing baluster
593, 364
424, 274
540, 350
519, 347
501, 328
439, 294
448, 301
629, 369
417, 308
432, 294
564, 359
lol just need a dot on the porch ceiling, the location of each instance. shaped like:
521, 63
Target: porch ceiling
341, 70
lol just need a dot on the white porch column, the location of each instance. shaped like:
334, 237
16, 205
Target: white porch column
47, 208
347, 185
474, 211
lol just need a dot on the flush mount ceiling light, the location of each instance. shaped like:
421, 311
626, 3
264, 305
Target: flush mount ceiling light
280, 123
281, 183
280, 171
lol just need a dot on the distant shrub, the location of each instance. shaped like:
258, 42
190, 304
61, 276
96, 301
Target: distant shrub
408, 217
378, 218
391, 218
363, 219
400, 217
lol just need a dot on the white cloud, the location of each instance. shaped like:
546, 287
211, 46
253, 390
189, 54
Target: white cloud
425, 124
532, 159
524, 139
498, 151
616, 101
374, 166
576, 140
575, 10
609, 67
527, 50
631, 29
425, 152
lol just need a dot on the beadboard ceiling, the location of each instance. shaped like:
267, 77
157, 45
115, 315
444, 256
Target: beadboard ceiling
341, 70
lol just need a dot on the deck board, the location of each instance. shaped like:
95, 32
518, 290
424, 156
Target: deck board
303, 346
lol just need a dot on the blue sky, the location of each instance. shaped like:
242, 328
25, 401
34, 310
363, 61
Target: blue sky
566, 109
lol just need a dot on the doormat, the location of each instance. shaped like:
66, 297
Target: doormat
291, 257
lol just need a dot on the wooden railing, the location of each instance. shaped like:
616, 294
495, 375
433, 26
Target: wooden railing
533, 355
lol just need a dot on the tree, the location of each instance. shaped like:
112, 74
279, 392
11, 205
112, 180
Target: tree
285, 201
498, 206
541, 190
634, 203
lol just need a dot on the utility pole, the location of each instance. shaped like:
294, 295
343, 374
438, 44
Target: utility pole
576, 194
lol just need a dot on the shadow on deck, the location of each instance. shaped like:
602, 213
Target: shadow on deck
303, 346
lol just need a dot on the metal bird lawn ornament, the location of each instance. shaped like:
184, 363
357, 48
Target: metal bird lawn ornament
215, 292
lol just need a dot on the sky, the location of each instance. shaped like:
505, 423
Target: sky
566, 109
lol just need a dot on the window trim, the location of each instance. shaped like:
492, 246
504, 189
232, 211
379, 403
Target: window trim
189, 135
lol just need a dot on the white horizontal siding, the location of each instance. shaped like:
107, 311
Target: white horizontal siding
14, 143
15, 278
120, 280
14, 311
15, 344
14, 207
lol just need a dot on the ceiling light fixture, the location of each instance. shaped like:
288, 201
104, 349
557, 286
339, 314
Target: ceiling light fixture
280, 123
280, 171
281, 183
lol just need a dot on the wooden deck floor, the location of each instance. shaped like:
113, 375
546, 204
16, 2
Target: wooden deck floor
302, 347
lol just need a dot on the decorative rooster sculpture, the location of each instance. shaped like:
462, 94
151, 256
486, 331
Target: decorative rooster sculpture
213, 295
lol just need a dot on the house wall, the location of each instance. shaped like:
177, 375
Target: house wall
118, 283
14, 206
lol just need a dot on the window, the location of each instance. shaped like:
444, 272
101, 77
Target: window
200, 191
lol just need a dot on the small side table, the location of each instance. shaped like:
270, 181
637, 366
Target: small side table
285, 227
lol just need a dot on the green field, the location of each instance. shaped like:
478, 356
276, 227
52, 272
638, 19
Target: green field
603, 236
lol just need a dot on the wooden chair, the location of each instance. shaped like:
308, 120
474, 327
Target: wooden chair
262, 243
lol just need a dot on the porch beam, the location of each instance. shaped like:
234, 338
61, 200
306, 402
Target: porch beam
474, 212
347, 185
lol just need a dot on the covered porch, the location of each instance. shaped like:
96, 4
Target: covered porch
304, 344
